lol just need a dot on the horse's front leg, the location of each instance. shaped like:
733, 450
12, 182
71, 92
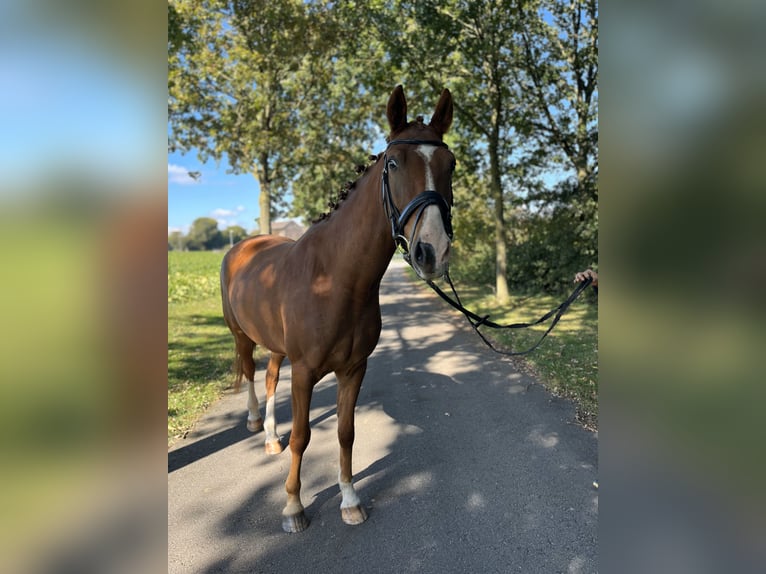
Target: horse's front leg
349, 383
293, 517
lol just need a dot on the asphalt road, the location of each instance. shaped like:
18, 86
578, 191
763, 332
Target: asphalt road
463, 463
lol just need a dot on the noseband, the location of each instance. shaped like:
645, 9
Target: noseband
415, 207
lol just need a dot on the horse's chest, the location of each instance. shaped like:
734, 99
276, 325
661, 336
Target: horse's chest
331, 337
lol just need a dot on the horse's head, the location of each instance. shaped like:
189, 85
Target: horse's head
417, 184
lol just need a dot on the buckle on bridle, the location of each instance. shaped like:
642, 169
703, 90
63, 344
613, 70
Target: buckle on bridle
403, 243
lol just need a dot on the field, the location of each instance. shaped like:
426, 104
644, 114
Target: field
201, 349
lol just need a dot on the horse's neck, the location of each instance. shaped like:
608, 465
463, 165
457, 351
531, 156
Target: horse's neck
359, 235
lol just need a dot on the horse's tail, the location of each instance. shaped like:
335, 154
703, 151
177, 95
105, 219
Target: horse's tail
239, 370
228, 316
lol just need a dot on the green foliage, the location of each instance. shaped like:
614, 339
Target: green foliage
176, 241
274, 88
524, 81
550, 245
295, 93
473, 249
204, 234
546, 246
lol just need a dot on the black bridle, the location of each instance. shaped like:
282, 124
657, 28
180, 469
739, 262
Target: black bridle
415, 207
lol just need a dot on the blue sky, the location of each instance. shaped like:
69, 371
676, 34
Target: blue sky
68, 107
229, 199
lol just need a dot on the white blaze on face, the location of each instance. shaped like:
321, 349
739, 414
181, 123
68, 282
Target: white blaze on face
431, 228
427, 152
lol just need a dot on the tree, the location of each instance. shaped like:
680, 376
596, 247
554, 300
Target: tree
472, 43
524, 79
204, 234
291, 92
233, 234
559, 76
176, 241
338, 127
275, 88
232, 90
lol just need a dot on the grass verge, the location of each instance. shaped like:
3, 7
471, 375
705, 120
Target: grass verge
200, 347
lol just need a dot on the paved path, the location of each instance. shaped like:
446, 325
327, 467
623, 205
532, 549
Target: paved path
463, 463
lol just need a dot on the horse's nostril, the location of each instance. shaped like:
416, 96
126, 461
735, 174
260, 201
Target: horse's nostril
425, 256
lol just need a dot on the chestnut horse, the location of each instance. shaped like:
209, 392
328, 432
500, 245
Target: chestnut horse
315, 300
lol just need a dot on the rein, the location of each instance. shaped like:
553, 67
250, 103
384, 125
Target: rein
476, 321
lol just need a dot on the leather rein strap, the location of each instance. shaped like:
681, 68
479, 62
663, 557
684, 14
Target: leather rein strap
476, 321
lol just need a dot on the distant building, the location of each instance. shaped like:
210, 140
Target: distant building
287, 228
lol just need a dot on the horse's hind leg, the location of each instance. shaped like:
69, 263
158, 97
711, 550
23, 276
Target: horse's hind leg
273, 445
245, 349
349, 383
254, 420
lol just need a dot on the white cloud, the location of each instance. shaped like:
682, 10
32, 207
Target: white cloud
228, 217
179, 175
221, 213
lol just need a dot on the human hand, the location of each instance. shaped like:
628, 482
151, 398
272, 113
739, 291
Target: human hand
583, 275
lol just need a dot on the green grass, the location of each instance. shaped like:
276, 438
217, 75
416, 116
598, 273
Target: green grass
200, 346
566, 362
193, 275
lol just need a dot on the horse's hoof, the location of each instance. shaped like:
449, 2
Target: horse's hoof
353, 514
255, 426
273, 447
295, 522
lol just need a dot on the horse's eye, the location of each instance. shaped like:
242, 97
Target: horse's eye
392, 165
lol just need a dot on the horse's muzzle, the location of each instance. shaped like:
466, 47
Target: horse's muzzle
427, 264
425, 256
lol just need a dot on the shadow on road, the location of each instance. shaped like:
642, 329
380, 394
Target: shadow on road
463, 463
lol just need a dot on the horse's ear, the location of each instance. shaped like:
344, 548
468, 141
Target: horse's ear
442, 118
397, 110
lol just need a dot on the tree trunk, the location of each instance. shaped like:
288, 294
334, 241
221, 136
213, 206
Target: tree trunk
264, 201
501, 257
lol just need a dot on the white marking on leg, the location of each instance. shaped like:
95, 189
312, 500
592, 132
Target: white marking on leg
253, 408
350, 498
271, 422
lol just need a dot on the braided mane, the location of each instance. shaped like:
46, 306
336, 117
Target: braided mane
342, 194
